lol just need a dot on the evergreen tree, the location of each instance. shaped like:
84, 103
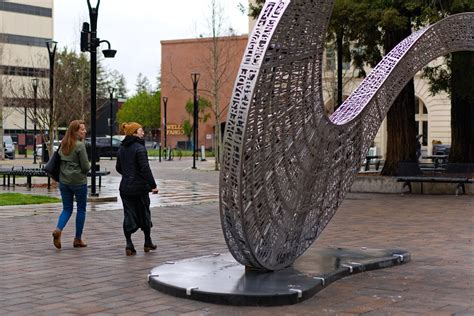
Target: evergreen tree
377, 26
120, 84
451, 78
142, 84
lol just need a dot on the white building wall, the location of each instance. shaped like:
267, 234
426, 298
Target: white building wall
439, 117
439, 114
30, 56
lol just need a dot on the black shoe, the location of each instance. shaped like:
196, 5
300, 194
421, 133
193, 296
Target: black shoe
149, 247
130, 251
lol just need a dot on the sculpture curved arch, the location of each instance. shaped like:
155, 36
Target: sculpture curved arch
286, 165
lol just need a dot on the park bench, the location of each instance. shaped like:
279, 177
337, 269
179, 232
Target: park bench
29, 173
459, 173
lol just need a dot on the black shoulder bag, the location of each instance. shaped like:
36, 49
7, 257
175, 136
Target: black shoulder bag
53, 165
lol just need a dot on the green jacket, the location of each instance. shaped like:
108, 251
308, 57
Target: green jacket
74, 167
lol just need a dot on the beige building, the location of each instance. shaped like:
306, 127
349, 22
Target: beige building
432, 113
25, 26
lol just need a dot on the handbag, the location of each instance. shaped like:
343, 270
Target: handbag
53, 165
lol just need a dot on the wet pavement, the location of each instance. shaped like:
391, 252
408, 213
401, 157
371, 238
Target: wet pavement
177, 186
37, 279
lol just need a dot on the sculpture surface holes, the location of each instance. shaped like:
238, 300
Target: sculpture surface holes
287, 166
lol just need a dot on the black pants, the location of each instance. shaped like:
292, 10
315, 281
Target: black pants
136, 209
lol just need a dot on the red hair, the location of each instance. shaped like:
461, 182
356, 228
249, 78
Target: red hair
69, 140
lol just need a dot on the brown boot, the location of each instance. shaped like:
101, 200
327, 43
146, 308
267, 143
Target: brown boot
57, 238
130, 251
149, 247
79, 243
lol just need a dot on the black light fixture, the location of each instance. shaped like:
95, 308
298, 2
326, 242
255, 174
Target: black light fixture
51, 45
89, 43
34, 82
108, 53
195, 78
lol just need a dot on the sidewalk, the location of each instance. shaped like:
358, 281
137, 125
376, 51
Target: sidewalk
37, 279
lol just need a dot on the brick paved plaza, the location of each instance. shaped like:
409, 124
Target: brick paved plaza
37, 279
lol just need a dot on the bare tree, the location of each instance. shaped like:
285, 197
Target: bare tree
332, 86
71, 94
217, 64
217, 67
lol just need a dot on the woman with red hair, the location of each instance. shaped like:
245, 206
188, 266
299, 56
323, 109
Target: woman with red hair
73, 181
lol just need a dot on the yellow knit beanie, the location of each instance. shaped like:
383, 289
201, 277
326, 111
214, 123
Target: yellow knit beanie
130, 128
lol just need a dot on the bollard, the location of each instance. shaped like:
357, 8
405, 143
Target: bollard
203, 153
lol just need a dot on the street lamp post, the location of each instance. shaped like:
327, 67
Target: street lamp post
35, 94
89, 43
111, 122
165, 103
51, 45
195, 79
26, 129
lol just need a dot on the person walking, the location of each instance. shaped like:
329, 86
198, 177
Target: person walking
137, 181
73, 181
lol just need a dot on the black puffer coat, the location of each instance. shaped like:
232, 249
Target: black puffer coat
132, 164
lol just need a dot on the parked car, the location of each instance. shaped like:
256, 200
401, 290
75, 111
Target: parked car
103, 147
39, 148
8, 147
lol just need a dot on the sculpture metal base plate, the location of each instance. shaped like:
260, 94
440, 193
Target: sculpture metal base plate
219, 279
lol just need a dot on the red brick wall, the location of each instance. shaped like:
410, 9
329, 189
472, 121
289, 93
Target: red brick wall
180, 58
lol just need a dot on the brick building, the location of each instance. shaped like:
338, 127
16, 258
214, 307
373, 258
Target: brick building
180, 58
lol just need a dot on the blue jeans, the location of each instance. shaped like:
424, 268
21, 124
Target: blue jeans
68, 192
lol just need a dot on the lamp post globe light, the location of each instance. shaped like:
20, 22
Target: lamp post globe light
51, 45
34, 82
111, 120
89, 43
195, 78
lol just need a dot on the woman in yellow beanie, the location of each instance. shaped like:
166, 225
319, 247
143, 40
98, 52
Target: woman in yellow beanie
137, 181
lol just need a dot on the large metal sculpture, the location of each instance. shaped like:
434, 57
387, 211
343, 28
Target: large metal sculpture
286, 165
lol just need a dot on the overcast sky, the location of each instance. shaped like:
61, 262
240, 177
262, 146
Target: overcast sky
135, 28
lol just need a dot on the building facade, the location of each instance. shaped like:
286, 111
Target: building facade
182, 57
25, 26
432, 112
217, 62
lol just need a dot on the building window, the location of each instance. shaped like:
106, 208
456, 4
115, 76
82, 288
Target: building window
24, 71
26, 9
421, 119
23, 40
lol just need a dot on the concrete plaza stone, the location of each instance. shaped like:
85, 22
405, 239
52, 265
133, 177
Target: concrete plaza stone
37, 279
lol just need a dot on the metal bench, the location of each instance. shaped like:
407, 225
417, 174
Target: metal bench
459, 173
8, 173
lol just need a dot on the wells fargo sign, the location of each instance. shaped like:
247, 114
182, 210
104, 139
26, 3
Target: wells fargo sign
174, 129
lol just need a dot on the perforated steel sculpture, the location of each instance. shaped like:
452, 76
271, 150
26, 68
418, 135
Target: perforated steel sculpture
287, 166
